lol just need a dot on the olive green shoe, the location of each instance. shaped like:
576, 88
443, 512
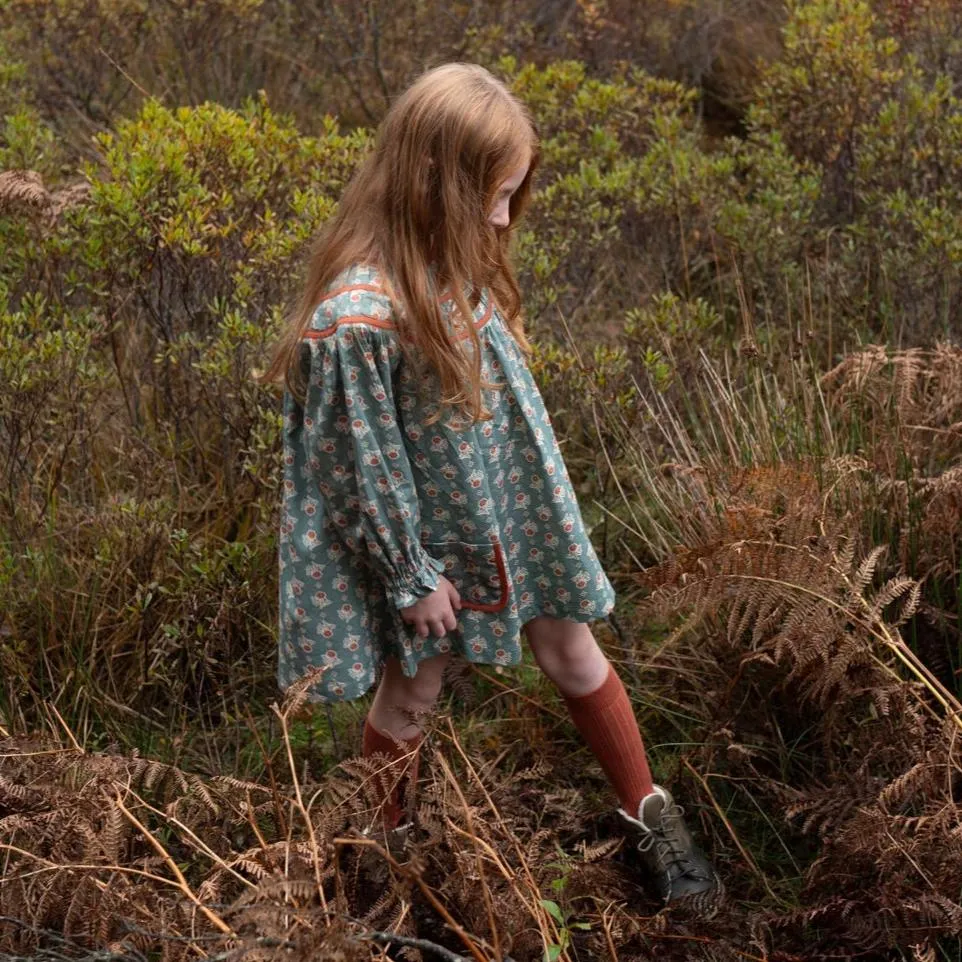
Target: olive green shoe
677, 867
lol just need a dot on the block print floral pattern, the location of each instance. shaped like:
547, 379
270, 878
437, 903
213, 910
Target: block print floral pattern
377, 502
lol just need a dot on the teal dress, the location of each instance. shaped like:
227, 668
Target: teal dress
377, 502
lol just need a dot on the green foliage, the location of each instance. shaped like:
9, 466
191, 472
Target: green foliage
700, 307
49, 370
220, 200
132, 325
882, 131
562, 914
596, 139
834, 73
12, 78
652, 247
27, 143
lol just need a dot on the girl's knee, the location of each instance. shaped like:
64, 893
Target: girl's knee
559, 636
566, 651
423, 687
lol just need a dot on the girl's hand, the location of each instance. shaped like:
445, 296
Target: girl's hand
435, 612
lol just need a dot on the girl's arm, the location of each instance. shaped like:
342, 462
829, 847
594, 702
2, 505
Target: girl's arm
358, 445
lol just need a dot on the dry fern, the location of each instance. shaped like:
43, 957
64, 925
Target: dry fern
810, 622
24, 191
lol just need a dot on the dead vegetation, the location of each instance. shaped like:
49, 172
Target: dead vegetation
24, 191
823, 766
776, 490
94, 843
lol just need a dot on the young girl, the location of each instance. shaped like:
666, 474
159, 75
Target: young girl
427, 510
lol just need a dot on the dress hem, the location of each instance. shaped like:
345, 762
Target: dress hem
483, 659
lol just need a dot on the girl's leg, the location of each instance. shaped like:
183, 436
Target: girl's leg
566, 651
569, 655
399, 698
391, 726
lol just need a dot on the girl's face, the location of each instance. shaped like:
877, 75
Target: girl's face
500, 213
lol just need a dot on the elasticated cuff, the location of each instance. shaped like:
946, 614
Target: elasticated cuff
410, 588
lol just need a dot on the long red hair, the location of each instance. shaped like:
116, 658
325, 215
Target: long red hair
417, 208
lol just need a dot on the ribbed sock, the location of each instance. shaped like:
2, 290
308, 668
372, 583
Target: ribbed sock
376, 742
607, 723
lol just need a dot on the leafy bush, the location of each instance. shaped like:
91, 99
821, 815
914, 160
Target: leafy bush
132, 325
776, 492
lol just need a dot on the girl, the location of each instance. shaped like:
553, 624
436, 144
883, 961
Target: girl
427, 510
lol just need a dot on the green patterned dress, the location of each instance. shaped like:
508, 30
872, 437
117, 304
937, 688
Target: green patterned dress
377, 503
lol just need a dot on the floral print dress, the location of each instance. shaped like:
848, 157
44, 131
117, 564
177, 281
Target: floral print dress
377, 503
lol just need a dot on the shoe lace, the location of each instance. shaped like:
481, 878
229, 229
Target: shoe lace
670, 847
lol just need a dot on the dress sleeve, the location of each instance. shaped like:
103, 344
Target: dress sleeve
357, 448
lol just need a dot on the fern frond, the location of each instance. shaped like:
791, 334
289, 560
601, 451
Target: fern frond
600, 850
388, 902
299, 692
891, 591
863, 575
228, 781
15, 796
22, 188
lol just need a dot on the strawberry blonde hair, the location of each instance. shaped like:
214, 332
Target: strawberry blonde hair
417, 206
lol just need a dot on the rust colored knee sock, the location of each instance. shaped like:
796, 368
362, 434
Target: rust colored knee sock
607, 723
376, 742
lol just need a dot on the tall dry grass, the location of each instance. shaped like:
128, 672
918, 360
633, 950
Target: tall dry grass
758, 398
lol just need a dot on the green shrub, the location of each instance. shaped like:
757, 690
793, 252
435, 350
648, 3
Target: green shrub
883, 132
132, 324
706, 313
597, 138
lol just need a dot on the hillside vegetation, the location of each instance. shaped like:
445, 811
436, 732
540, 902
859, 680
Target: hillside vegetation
743, 273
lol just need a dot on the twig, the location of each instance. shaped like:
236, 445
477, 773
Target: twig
299, 802
535, 908
255, 828
436, 903
752, 864
126, 76
606, 927
50, 866
268, 764
198, 842
65, 727
491, 852
387, 938
514, 691
489, 907
214, 919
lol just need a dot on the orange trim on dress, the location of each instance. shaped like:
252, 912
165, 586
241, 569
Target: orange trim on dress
485, 317
352, 319
505, 587
374, 288
385, 325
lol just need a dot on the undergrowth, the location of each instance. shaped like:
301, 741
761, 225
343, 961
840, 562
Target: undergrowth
749, 348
